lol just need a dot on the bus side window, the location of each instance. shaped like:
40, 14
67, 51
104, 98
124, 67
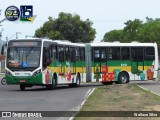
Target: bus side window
67, 53
137, 54
77, 54
97, 56
140, 54
82, 54
73, 54
149, 53
125, 53
61, 54
103, 54
54, 52
114, 53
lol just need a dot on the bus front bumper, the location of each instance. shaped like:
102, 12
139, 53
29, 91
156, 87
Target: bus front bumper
30, 80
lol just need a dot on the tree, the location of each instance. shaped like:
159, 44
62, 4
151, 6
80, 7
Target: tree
127, 34
113, 35
131, 29
67, 27
150, 32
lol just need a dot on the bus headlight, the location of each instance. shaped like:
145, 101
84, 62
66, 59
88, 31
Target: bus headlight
37, 72
8, 73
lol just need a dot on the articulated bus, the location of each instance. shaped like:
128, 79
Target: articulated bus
50, 63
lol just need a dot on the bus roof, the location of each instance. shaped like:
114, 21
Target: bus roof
97, 44
60, 42
105, 44
65, 42
25, 39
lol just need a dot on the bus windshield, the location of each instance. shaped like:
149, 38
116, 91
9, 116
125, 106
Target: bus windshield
26, 58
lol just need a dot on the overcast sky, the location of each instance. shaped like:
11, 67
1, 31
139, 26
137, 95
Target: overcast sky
106, 15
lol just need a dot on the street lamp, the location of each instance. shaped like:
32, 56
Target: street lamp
29, 36
17, 34
8, 38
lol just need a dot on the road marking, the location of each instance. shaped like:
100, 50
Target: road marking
148, 90
89, 92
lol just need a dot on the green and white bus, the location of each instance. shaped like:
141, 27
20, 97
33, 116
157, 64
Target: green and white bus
50, 63
44, 62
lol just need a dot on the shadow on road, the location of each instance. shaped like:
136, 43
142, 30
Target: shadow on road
59, 87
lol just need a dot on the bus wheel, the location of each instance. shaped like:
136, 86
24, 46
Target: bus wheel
123, 78
22, 87
3, 81
78, 80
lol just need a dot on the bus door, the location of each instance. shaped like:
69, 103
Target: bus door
137, 63
99, 63
114, 61
61, 60
73, 60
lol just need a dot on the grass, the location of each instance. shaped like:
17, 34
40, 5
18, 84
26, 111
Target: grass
121, 97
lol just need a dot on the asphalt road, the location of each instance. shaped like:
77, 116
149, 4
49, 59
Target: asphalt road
38, 98
153, 86
63, 98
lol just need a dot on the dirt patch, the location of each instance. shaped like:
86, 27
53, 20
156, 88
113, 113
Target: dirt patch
121, 97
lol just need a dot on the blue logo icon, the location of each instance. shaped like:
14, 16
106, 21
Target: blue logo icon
12, 13
26, 13
24, 64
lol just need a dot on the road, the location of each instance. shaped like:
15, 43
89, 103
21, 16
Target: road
63, 98
38, 98
153, 86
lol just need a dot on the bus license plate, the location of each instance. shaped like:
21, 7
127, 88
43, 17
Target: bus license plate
22, 81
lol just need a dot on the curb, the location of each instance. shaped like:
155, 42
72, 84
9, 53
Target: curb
89, 92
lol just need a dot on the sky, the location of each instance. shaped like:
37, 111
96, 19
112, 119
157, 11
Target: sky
106, 15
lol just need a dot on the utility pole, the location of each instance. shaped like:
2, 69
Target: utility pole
1, 34
2, 28
1, 41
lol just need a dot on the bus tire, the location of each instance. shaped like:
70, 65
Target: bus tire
3, 81
22, 87
123, 78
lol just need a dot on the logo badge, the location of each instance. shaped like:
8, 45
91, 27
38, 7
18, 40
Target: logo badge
26, 13
6, 114
12, 13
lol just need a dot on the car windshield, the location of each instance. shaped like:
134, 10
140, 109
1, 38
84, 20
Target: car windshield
23, 58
